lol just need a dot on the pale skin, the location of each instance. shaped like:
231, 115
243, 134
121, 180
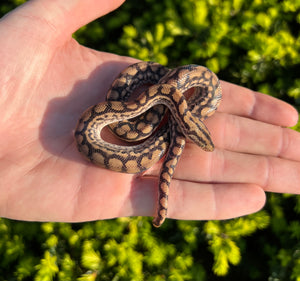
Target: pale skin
47, 79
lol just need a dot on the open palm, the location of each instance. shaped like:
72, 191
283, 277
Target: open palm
47, 79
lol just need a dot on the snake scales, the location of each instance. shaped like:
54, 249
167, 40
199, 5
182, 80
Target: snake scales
142, 119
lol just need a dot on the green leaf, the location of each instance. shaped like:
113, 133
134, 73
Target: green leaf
159, 32
47, 268
90, 258
130, 31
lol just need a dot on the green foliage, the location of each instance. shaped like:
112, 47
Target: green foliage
153, 46
222, 237
252, 43
122, 249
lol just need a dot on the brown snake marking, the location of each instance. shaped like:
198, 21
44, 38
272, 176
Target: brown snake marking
145, 114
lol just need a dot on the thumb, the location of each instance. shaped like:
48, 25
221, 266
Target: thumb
57, 19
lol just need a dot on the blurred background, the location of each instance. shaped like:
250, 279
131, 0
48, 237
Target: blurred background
251, 43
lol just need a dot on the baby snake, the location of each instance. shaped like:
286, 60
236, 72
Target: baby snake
146, 113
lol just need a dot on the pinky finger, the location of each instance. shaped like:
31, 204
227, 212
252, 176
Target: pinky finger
201, 201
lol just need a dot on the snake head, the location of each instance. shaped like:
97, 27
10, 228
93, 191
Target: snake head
200, 135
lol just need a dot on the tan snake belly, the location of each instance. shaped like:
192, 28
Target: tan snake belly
141, 119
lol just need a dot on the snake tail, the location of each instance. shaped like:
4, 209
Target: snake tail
177, 143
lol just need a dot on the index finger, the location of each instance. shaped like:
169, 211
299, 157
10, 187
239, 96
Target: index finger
244, 102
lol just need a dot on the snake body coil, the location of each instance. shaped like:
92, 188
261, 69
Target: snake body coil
141, 119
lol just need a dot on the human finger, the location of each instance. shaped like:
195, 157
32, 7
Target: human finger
222, 166
244, 102
57, 19
240, 134
198, 201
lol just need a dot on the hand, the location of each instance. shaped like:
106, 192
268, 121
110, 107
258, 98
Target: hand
47, 80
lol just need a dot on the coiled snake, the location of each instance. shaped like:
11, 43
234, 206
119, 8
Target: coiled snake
146, 114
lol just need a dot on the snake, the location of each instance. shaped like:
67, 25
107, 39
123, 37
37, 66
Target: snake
147, 107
